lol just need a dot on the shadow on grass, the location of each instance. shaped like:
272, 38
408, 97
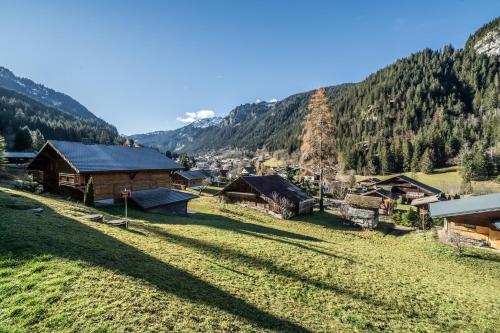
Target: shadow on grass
23, 238
259, 263
213, 221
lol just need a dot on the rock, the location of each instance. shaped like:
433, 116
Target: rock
93, 217
118, 223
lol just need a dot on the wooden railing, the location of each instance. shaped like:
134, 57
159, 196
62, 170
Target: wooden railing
37, 175
71, 180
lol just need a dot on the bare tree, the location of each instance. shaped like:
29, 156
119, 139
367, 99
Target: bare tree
458, 242
282, 205
318, 140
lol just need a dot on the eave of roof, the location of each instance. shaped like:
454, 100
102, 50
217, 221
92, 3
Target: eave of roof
466, 206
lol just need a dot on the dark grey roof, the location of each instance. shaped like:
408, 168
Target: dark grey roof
412, 181
381, 191
266, 185
102, 158
19, 154
472, 205
193, 174
147, 199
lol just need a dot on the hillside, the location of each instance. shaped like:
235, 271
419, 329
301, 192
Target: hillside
17, 111
42, 94
430, 104
231, 269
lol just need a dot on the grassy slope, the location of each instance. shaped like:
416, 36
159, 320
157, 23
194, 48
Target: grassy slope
449, 180
231, 269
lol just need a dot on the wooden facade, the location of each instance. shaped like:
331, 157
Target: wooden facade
57, 174
262, 192
475, 218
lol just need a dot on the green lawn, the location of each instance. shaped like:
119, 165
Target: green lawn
231, 269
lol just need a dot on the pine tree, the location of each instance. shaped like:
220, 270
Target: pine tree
37, 139
318, 147
22, 140
426, 165
88, 197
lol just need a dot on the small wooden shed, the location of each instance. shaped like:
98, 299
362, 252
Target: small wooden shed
362, 210
187, 179
388, 200
162, 200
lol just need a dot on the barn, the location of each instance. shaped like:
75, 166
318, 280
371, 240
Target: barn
66, 167
271, 194
475, 218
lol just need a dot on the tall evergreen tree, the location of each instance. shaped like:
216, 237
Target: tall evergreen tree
318, 147
22, 140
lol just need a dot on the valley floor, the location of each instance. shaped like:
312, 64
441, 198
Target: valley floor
226, 268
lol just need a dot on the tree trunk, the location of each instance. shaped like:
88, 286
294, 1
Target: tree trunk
321, 208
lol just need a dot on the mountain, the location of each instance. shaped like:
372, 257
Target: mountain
42, 94
55, 115
430, 104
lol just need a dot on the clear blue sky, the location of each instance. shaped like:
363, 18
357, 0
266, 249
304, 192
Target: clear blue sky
142, 64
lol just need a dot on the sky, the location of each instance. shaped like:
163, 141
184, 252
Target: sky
157, 65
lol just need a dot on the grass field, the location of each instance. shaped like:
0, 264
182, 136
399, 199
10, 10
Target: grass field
231, 269
448, 180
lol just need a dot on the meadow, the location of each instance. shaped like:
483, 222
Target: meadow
227, 268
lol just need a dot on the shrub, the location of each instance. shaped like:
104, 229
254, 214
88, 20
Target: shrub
88, 197
409, 218
28, 186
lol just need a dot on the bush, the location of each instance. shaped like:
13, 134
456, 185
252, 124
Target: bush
28, 186
88, 197
409, 218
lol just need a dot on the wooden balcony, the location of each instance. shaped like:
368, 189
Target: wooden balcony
71, 180
37, 176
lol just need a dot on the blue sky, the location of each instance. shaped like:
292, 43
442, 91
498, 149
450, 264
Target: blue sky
142, 65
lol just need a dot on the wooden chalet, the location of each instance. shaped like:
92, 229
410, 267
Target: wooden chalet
362, 210
407, 188
66, 167
475, 218
187, 179
422, 204
265, 193
388, 200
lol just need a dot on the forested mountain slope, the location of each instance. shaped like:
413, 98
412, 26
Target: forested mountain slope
426, 107
18, 111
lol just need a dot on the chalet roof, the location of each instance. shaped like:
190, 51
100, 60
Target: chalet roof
266, 185
411, 181
466, 206
147, 199
372, 180
86, 158
191, 175
382, 192
425, 200
19, 154
361, 201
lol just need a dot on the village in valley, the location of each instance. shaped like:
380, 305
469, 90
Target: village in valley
319, 222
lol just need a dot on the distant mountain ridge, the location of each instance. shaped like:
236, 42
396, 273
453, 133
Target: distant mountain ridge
42, 94
56, 115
